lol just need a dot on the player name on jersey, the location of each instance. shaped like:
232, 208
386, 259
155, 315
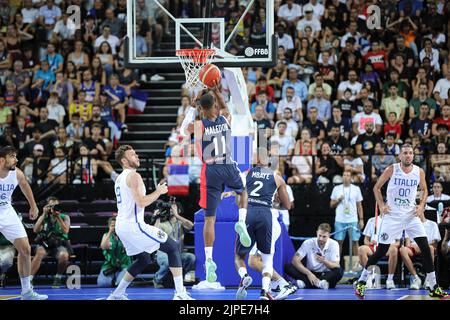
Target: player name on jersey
261, 175
216, 129
7, 187
405, 182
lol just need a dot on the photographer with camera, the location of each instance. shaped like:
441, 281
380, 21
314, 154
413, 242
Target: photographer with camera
116, 259
52, 230
168, 218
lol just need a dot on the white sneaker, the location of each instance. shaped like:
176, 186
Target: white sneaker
300, 284
416, 284
286, 291
113, 297
241, 292
323, 284
182, 296
33, 295
157, 77
390, 284
144, 77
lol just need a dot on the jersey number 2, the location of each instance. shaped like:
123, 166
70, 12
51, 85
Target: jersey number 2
259, 185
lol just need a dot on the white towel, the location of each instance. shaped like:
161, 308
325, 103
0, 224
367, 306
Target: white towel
205, 285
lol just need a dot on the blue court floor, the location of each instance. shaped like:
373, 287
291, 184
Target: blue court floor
342, 292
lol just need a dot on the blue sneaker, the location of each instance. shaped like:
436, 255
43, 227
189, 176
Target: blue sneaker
241, 230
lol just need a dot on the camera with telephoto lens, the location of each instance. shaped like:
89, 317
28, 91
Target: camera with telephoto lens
164, 211
47, 237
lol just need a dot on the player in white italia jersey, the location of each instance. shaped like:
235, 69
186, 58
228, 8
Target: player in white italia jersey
10, 225
139, 238
400, 212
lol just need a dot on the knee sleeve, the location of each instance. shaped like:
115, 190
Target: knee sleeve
422, 242
141, 261
172, 249
379, 253
267, 260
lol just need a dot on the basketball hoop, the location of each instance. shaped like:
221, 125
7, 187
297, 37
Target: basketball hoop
192, 61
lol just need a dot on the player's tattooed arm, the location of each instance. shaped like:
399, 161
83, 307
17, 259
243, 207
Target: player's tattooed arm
385, 176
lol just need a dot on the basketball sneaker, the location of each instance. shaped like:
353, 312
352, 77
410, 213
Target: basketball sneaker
241, 293
323, 284
416, 283
210, 267
360, 290
265, 295
241, 230
121, 297
301, 284
390, 284
286, 291
57, 282
33, 295
437, 292
182, 296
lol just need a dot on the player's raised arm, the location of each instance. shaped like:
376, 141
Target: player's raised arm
26, 189
282, 192
385, 176
134, 181
219, 99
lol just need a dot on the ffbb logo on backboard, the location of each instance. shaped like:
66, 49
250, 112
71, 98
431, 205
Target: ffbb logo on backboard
256, 52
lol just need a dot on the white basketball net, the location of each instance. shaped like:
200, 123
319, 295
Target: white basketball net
192, 61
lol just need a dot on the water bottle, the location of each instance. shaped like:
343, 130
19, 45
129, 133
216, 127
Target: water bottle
440, 209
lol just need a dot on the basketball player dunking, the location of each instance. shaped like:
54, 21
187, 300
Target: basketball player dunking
400, 213
263, 227
139, 238
213, 132
10, 225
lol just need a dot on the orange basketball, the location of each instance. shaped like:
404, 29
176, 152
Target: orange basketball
208, 74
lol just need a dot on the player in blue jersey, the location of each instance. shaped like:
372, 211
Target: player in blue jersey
262, 224
213, 138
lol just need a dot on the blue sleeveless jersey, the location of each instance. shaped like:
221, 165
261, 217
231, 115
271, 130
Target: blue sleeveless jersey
261, 187
216, 141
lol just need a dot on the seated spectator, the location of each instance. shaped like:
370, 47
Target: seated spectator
7, 253
380, 161
441, 137
305, 135
262, 85
52, 229
437, 193
276, 77
377, 57
316, 127
20, 77
300, 88
365, 143
441, 89
411, 249
85, 167
337, 141
352, 83
81, 107
293, 102
443, 119
54, 59
393, 127
98, 74
346, 104
6, 59
116, 259
391, 148
262, 100
47, 126
262, 123
402, 88
56, 111
63, 141
431, 53
63, 88
290, 13
59, 168
97, 119
6, 115
322, 268
117, 97
372, 76
440, 163
79, 57
284, 39
394, 103
75, 129
420, 98
319, 82
322, 105
421, 125
36, 135
326, 166
292, 126
371, 243
404, 73
400, 47
327, 67
96, 144
44, 74
421, 78
344, 124
355, 165
306, 58
8, 139
91, 87
111, 39
174, 225
285, 142
302, 165
35, 167
361, 118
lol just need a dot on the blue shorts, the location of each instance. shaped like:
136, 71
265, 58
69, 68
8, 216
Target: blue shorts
263, 228
213, 179
356, 234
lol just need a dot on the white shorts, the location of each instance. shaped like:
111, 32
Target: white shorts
10, 225
139, 237
391, 228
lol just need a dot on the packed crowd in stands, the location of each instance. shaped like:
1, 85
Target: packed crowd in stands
346, 97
